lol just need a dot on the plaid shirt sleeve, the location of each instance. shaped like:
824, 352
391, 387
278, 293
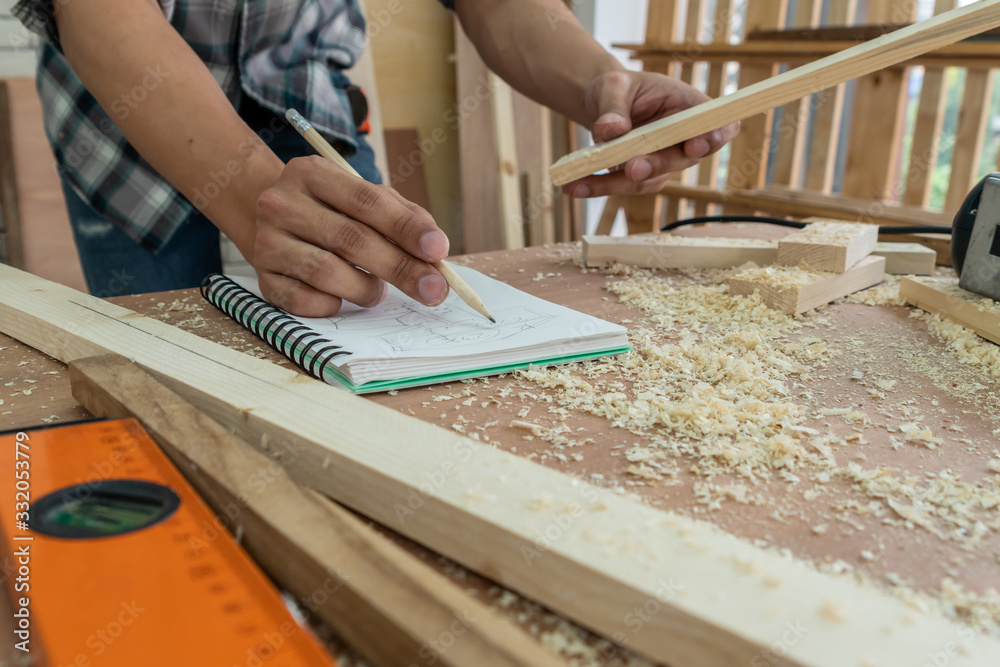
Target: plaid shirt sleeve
282, 53
38, 16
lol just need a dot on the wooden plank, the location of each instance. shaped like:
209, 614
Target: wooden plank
508, 176
945, 298
796, 83
662, 22
722, 30
907, 258
874, 148
676, 252
481, 506
794, 291
970, 53
750, 150
533, 137
939, 243
828, 246
12, 248
970, 136
643, 213
482, 226
792, 131
680, 252
804, 204
828, 114
386, 603
663, 26
927, 129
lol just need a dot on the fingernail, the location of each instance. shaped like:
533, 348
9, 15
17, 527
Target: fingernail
434, 245
609, 118
582, 191
699, 148
432, 289
641, 170
385, 293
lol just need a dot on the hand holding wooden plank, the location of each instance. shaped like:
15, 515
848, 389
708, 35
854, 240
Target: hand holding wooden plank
941, 30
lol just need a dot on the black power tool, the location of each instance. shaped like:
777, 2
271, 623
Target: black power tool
975, 239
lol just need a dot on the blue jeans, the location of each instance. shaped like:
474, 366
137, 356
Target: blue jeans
115, 265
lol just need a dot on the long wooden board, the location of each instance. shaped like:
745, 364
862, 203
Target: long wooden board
947, 299
588, 553
851, 63
779, 290
666, 252
390, 606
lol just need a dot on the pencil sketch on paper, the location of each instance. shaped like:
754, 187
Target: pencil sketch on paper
404, 325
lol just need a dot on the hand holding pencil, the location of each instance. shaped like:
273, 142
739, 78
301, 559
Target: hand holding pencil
324, 236
324, 148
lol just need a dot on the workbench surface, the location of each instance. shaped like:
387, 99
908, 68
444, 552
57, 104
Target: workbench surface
897, 482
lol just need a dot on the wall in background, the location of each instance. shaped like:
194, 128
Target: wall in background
17, 45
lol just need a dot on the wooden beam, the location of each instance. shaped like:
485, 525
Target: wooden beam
508, 176
927, 129
610, 214
794, 291
750, 151
828, 115
970, 135
386, 603
722, 30
874, 146
10, 211
676, 252
793, 131
482, 226
593, 555
805, 204
907, 258
828, 246
856, 61
947, 299
683, 252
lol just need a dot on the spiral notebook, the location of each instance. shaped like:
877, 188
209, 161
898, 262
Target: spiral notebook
401, 343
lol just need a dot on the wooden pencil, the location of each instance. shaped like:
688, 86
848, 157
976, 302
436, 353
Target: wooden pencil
323, 147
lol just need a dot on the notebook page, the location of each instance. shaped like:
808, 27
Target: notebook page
401, 329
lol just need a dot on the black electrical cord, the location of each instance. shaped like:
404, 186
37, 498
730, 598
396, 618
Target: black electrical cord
794, 224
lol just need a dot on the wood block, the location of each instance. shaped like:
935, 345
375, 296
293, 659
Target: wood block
828, 246
907, 258
795, 290
475, 504
664, 251
947, 299
388, 604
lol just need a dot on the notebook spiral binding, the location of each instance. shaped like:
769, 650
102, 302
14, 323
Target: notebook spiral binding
278, 329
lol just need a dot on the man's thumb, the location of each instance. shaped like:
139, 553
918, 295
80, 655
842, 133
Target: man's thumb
613, 108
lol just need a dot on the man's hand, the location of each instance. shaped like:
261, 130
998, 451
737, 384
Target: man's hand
319, 226
619, 101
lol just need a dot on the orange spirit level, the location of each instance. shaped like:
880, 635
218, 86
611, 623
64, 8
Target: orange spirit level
112, 559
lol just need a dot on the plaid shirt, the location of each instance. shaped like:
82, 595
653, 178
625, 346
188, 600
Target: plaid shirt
278, 52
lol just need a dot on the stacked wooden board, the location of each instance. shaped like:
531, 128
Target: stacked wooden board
815, 265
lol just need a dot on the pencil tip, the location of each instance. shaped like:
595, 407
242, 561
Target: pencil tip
493, 320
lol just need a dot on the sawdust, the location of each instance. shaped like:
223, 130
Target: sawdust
725, 383
828, 233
